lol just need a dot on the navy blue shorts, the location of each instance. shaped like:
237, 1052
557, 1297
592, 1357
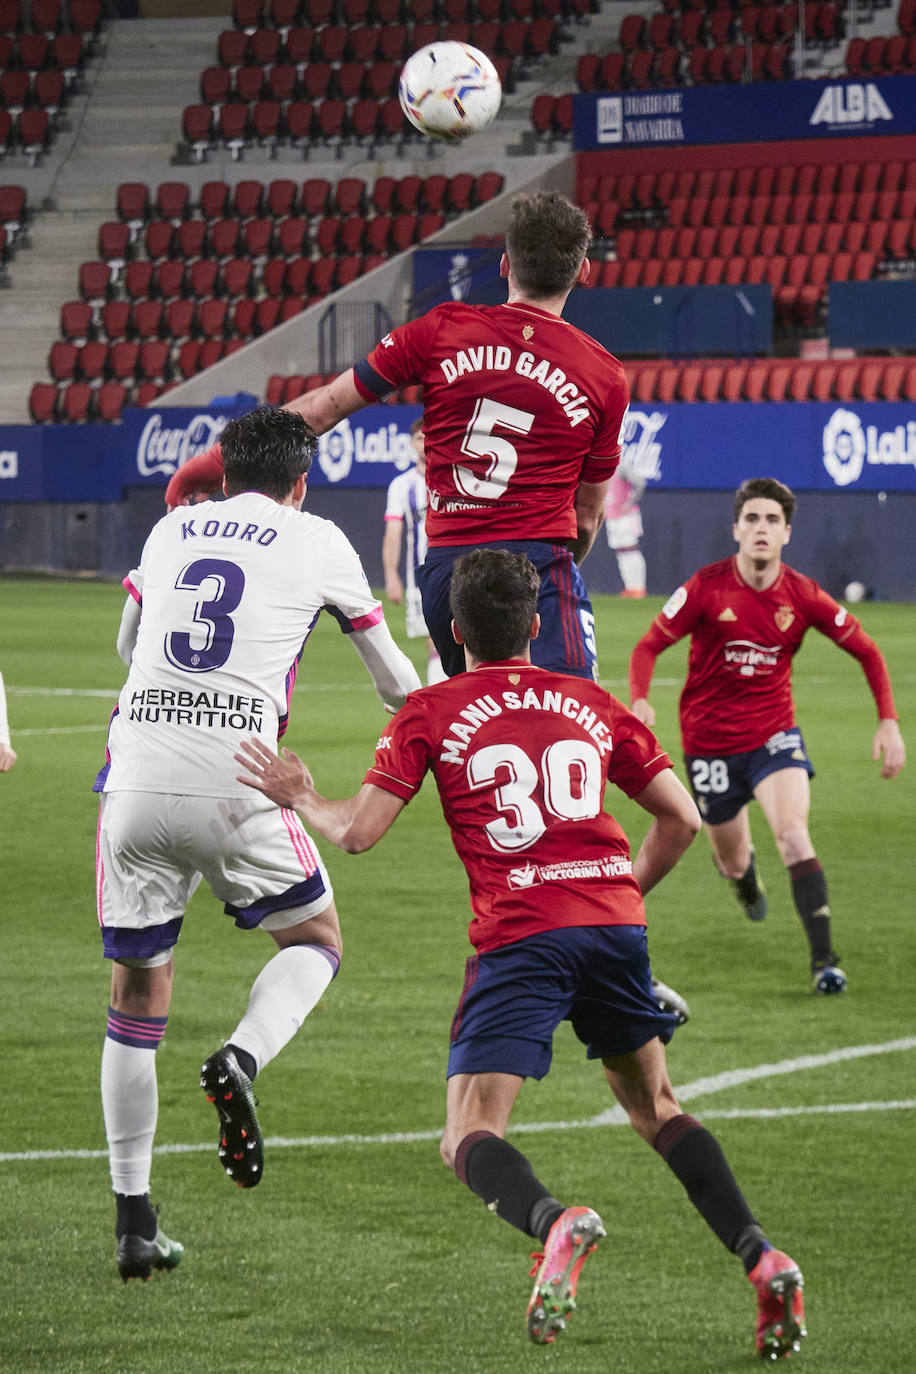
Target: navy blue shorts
566, 643
721, 786
597, 977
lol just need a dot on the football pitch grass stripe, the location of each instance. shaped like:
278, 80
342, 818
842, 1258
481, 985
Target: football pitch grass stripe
615, 1116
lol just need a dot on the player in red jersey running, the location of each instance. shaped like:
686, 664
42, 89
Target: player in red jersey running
521, 758
746, 617
521, 419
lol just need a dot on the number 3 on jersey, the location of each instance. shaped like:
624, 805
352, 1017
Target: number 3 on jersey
211, 643
571, 771
480, 442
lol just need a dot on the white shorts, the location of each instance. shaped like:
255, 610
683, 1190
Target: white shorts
154, 848
625, 531
413, 607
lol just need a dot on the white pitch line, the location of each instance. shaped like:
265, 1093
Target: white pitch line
615, 1116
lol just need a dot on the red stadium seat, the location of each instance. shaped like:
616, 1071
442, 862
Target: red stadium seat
76, 319
110, 400
77, 403
43, 400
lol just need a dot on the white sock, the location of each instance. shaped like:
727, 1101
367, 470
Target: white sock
130, 1102
632, 567
434, 671
284, 992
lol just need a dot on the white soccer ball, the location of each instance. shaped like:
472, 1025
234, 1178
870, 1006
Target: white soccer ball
855, 591
449, 90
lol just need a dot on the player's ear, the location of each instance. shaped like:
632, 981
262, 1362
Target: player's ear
456, 633
584, 271
535, 626
787, 536
225, 488
504, 266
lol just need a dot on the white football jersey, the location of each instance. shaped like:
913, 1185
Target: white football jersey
406, 501
229, 592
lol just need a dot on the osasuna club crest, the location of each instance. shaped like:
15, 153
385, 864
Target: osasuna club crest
784, 617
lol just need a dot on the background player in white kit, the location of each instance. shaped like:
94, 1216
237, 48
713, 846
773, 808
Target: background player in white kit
405, 515
219, 610
623, 526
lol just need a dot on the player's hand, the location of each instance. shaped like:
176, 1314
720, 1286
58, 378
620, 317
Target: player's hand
889, 743
643, 711
394, 590
283, 778
7, 758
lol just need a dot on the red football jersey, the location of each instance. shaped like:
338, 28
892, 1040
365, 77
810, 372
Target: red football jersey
519, 407
521, 758
739, 676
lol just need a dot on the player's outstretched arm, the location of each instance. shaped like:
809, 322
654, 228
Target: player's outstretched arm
354, 824
389, 667
676, 822
200, 475
888, 746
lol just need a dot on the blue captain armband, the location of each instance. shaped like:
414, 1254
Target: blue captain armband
373, 381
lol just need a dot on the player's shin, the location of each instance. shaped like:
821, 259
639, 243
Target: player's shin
288, 987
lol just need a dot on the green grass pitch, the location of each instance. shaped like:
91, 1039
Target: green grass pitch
359, 1252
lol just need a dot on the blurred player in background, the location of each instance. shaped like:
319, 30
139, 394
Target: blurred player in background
521, 757
623, 526
405, 515
219, 611
521, 419
746, 617
7, 753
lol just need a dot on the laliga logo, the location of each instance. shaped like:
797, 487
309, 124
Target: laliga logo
844, 447
163, 450
640, 454
335, 452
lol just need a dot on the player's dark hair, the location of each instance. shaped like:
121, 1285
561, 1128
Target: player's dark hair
494, 597
266, 450
546, 242
765, 489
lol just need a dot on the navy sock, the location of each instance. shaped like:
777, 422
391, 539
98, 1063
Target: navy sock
502, 1176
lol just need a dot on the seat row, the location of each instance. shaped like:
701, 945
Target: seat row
298, 124
34, 52
665, 381
239, 53
888, 240
80, 403
250, 15
770, 23
654, 189
283, 198
881, 56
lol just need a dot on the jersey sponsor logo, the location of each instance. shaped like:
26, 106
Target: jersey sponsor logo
841, 616
225, 710
161, 450
785, 741
727, 614
570, 870
674, 603
784, 617
750, 658
476, 713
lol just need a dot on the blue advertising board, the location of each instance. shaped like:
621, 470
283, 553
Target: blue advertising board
813, 447
749, 113
457, 273
676, 321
